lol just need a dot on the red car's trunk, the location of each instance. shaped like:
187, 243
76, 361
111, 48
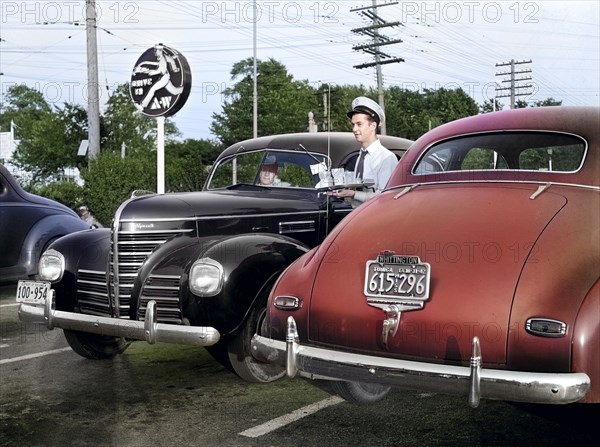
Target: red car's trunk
476, 247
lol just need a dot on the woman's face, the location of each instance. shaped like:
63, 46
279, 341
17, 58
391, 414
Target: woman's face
267, 174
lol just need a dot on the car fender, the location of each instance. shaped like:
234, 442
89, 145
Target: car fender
81, 250
42, 233
250, 263
586, 333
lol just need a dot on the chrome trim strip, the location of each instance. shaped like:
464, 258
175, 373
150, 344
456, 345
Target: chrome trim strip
228, 216
95, 272
152, 231
505, 132
510, 182
305, 226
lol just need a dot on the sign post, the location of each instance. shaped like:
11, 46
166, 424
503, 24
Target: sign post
160, 85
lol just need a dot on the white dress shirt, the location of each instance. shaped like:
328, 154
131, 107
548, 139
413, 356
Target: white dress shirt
379, 165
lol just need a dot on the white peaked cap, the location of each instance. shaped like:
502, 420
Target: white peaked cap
365, 105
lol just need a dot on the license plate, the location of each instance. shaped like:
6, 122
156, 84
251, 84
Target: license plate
33, 292
393, 276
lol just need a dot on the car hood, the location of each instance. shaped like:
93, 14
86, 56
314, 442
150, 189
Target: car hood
476, 238
220, 203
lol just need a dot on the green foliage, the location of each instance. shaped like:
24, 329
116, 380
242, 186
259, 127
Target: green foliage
296, 176
24, 106
110, 180
188, 162
124, 125
334, 103
490, 105
547, 102
49, 137
283, 103
246, 169
67, 193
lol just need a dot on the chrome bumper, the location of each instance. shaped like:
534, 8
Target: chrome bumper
148, 330
472, 381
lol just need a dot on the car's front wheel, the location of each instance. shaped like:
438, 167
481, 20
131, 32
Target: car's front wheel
95, 347
359, 392
240, 356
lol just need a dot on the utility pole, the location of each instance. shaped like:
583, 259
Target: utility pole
514, 88
379, 40
93, 108
254, 75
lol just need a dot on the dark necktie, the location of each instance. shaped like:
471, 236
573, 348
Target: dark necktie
360, 166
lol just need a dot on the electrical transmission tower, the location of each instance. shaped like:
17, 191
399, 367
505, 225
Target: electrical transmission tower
379, 40
514, 89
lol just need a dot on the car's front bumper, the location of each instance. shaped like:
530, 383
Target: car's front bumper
148, 330
472, 381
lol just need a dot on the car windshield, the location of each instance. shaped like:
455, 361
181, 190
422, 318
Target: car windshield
530, 151
268, 168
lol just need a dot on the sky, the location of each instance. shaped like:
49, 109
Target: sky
448, 44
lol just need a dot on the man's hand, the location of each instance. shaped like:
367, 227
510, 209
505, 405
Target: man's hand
342, 193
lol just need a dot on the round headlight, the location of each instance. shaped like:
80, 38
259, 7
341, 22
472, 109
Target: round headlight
51, 266
206, 277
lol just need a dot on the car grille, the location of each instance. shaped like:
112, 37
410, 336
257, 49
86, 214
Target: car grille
92, 292
96, 294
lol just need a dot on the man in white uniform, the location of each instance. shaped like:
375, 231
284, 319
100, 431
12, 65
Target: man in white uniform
375, 162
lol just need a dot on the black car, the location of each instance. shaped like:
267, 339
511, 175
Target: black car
197, 267
28, 224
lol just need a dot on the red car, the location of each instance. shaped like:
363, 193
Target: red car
476, 272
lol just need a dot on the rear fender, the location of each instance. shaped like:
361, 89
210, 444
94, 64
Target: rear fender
586, 333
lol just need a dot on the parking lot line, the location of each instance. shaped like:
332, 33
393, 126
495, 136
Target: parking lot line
286, 419
9, 305
33, 356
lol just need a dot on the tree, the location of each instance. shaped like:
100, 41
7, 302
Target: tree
66, 192
283, 103
491, 105
336, 101
547, 102
445, 105
187, 163
49, 137
520, 104
405, 112
110, 180
410, 114
24, 106
123, 124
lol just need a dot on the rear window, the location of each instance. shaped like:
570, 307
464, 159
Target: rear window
528, 151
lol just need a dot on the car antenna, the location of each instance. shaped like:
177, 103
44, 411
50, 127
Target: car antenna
315, 158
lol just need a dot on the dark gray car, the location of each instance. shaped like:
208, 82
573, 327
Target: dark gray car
28, 224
